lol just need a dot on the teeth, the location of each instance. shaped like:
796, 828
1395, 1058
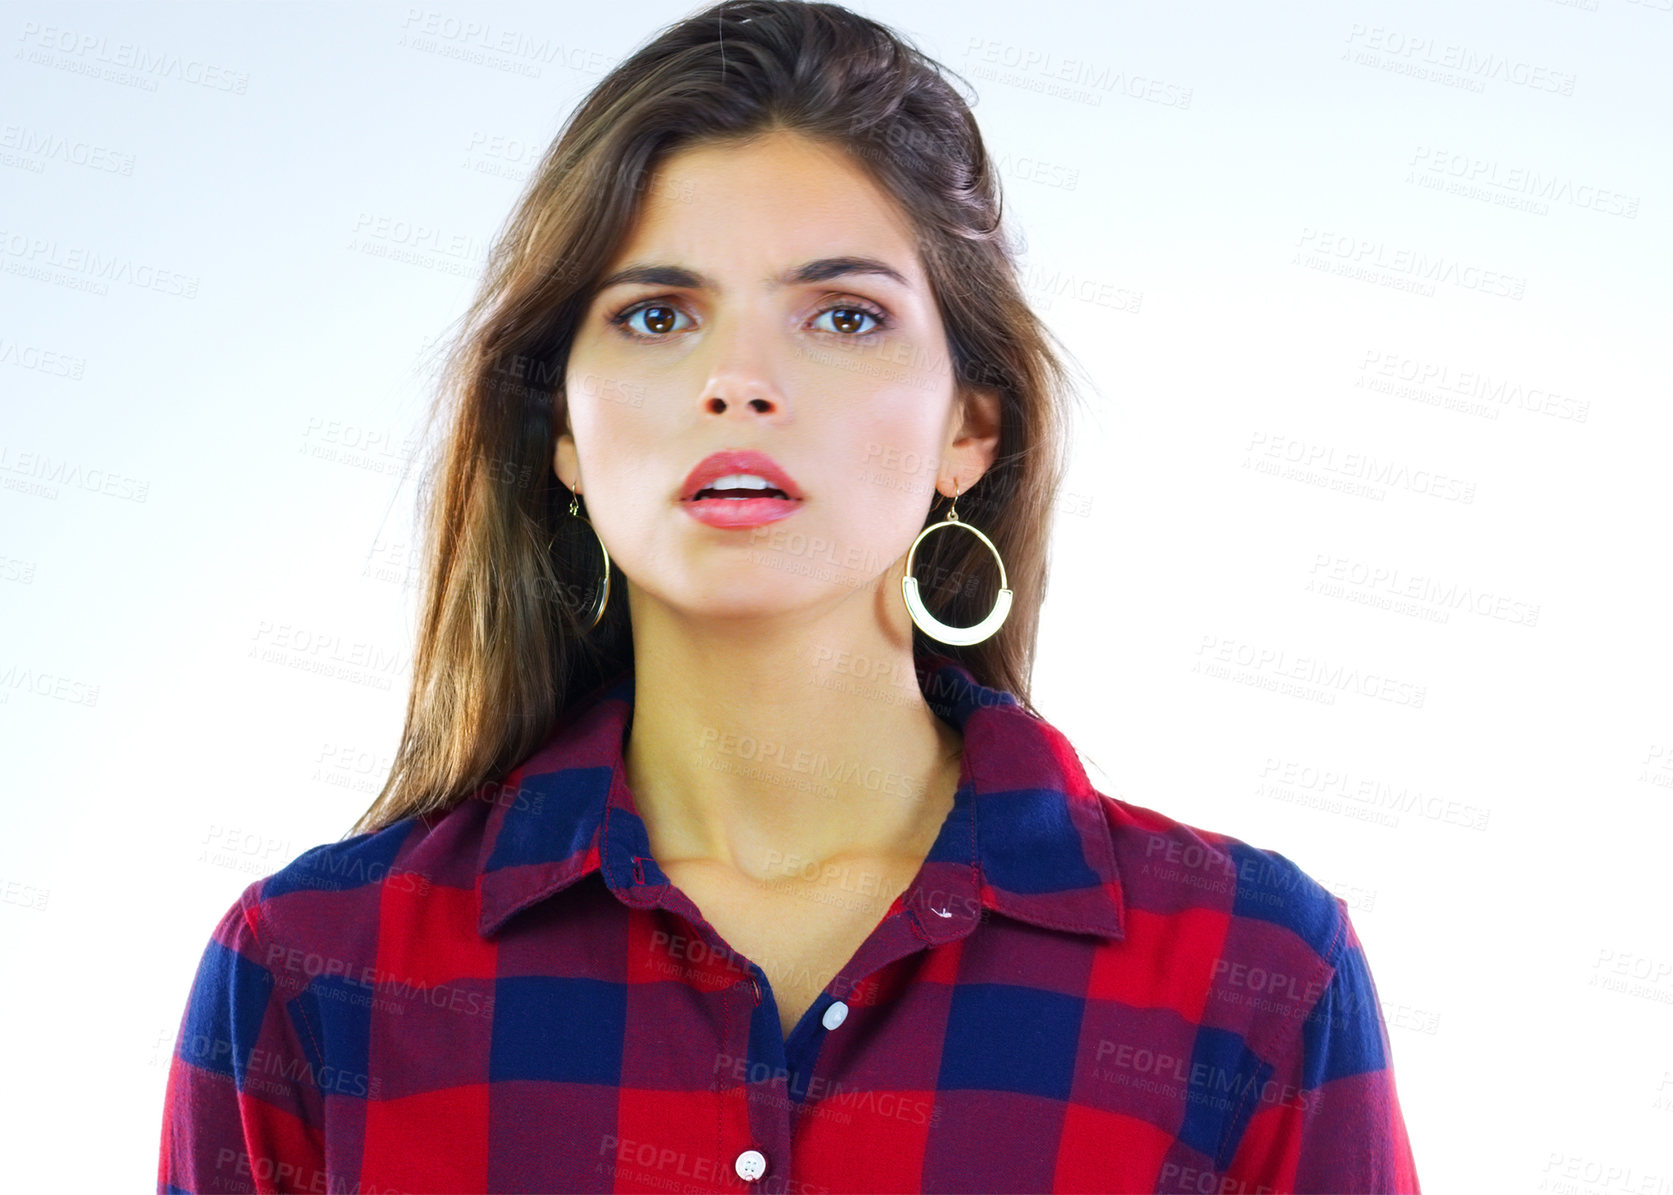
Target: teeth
741, 481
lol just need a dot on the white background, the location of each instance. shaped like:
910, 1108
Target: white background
1371, 575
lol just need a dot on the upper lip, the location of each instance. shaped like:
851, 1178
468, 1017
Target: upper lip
723, 464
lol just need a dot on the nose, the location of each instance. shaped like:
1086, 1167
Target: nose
742, 376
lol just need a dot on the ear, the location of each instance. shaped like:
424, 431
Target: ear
566, 463
975, 437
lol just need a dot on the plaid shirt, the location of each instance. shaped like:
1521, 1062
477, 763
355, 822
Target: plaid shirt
1073, 994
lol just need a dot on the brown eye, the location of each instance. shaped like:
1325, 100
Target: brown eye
659, 319
850, 320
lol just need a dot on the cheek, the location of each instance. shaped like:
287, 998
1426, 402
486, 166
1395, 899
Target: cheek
612, 415
897, 454
600, 381
606, 379
895, 403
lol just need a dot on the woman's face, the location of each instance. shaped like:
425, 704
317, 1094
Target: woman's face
743, 340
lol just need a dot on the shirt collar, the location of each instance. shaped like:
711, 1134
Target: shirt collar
1027, 836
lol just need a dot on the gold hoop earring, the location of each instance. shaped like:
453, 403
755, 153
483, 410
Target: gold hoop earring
603, 598
927, 622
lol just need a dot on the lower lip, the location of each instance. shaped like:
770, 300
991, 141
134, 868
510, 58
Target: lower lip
740, 512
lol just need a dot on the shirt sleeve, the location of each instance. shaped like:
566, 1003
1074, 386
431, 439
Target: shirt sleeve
236, 1115
1329, 1119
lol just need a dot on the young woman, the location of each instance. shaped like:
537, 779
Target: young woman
724, 849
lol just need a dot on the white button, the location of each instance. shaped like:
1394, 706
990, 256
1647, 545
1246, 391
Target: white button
835, 1015
751, 1165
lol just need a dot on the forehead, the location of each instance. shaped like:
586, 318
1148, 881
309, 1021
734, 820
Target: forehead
777, 198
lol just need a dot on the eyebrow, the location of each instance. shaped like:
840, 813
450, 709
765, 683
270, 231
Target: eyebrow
820, 270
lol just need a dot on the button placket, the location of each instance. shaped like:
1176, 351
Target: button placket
764, 1085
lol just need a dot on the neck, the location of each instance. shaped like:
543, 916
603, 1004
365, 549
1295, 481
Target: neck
777, 747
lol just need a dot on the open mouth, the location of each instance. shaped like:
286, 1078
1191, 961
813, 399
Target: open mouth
739, 487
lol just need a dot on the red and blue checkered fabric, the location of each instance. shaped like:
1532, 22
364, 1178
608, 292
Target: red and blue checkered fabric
1074, 994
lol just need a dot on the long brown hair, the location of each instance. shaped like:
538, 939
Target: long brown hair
503, 647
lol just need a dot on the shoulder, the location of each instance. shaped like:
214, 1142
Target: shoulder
336, 894
1179, 872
